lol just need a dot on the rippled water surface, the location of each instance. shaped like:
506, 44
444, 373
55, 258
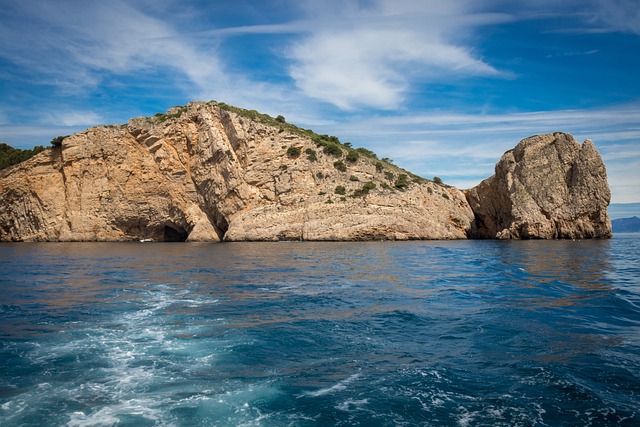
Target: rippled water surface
463, 333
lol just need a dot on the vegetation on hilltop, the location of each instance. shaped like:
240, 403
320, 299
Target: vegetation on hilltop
57, 141
344, 153
10, 156
331, 145
176, 112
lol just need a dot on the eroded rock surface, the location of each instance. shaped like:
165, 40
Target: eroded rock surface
203, 173
548, 187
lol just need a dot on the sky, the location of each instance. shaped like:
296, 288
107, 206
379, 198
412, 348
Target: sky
442, 87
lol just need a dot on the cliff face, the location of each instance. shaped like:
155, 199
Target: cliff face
202, 173
548, 187
208, 172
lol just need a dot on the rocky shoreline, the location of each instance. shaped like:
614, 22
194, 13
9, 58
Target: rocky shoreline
211, 172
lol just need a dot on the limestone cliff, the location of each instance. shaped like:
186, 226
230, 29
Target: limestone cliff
548, 187
207, 172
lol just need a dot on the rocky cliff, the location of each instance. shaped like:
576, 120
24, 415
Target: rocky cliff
210, 172
548, 187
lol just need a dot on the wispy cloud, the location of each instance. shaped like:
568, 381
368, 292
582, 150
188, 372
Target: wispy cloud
111, 41
463, 148
295, 27
72, 118
369, 56
102, 39
104, 44
617, 15
614, 123
575, 53
589, 17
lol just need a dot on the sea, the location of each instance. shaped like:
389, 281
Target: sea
419, 333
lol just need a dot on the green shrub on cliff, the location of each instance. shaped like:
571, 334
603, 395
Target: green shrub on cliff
332, 149
339, 164
293, 152
352, 156
368, 186
402, 181
176, 112
57, 141
311, 154
366, 152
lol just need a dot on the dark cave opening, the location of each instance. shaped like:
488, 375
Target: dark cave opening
173, 235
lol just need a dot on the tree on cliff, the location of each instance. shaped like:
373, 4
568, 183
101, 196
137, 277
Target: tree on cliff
57, 141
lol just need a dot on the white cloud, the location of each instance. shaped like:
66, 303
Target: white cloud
373, 59
78, 47
618, 15
101, 37
575, 53
72, 118
583, 16
295, 27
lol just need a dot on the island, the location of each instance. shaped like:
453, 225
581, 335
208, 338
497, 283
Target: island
210, 172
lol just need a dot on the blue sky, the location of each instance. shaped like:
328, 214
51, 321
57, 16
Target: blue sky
442, 87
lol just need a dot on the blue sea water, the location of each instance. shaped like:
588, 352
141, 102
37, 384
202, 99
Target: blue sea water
436, 333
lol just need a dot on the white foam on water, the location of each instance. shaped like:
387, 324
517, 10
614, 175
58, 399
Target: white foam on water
235, 406
206, 360
133, 368
342, 385
465, 418
431, 400
512, 416
12, 409
113, 414
255, 422
352, 405
192, 303
434, 391
80, 419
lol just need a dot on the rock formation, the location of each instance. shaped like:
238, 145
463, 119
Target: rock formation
210, 172
548, 187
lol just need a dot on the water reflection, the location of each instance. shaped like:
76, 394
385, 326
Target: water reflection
582, 263
567, 270
556, 302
